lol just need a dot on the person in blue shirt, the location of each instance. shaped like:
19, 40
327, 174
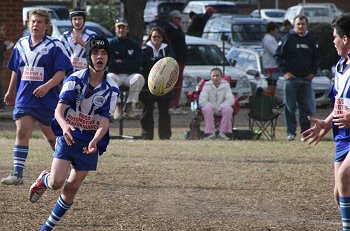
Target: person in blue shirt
339, 119
87, 100
38, 64
75, 40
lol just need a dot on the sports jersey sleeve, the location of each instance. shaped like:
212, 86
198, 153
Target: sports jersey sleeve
14, 63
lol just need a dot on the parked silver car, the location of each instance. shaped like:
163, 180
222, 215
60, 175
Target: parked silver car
203, 55
249, 60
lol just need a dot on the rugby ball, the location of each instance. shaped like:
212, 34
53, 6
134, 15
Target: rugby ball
163, 76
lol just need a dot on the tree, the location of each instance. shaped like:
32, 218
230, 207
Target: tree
133, 12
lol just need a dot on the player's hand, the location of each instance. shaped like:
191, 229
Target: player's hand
9, 99
77, 39
91, 148
41, 91
315, 133
342, 120
67, 134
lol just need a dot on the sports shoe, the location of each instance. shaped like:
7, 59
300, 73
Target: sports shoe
12, 179
129, 111
290, 137
222, 136
210, 136
38, 188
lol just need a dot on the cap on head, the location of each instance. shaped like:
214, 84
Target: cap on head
175, 14
77, 12
98, 42
210, 10
121, 21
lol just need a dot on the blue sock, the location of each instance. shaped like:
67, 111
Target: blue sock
344, 203
45, 180
20, 154
60, 208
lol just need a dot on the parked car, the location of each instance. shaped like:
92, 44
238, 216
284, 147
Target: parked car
62, 12
271, 15
321, 85
250, 61
26, 11
60, 26
199, 7
156, 13
316, 12
235, 30
205, 55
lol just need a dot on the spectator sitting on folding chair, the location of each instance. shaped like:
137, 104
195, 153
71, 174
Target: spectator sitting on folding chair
216, 98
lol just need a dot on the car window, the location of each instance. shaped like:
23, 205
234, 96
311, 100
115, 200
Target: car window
248, 32
166, 8
205, 55
274, 14
225, 9
316, 12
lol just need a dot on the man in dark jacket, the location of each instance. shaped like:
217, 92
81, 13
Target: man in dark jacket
198, 22
125, 67
177, 39
298, 59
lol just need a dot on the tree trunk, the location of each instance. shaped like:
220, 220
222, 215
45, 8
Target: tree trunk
133, 11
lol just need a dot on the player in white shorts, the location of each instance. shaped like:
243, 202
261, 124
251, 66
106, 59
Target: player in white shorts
38, 64
87, 100
75, 40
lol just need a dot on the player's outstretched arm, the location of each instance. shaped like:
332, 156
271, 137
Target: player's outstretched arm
100, 132
321, 127
53, 82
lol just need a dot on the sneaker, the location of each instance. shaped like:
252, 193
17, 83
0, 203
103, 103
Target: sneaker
129, 111
38, 188
209, 136
12, 179
290, 137
222, 136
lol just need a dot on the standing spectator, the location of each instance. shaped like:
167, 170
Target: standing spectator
269, 44
87, 99
177, 40
38, 64
198, 22
285, 29
4, 45
125, 67
298, 59
339, 119
216, 98
157, 47
75, 39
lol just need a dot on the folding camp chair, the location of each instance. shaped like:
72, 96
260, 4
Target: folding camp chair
263, 113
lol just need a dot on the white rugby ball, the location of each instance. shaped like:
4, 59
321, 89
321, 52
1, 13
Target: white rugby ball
163, 76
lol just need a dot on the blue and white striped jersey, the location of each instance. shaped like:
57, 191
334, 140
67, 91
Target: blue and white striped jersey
86, 109
76, 52
34, 66
340, 95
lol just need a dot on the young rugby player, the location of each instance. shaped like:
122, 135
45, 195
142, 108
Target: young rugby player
38, 64
87, 100
75, 40
338, 119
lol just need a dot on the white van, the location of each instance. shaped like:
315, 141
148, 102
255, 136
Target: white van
316, 12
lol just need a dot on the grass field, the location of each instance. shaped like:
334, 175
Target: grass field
185, 185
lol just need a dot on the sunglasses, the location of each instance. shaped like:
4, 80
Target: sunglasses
156, 36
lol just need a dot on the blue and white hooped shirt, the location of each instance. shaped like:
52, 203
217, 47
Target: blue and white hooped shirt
75, 51
34, 66
340, 95
87, 108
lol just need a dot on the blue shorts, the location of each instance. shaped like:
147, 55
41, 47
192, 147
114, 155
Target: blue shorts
74, 154
340, 156
44, 116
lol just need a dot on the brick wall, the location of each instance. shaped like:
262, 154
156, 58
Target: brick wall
11, 17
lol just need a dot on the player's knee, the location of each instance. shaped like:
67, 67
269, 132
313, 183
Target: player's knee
344, 176
56, 184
